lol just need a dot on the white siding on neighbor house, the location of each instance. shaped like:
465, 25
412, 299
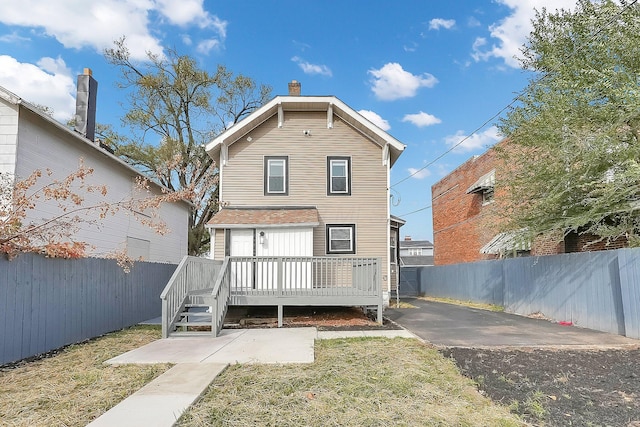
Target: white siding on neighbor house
367, 206
42, 145
8, 136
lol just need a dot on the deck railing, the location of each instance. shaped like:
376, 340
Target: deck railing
283, 281
192, 274
282, 276
220, 298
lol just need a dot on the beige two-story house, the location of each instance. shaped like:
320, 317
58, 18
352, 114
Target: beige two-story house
305, 176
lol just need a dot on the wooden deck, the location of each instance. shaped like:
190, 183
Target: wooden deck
273, 281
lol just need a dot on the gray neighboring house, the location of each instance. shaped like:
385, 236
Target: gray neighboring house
415, 253
31, 140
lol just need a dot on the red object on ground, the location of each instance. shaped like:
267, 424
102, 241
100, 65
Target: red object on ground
565, 323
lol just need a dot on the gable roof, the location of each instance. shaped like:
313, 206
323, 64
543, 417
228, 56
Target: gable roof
308, 103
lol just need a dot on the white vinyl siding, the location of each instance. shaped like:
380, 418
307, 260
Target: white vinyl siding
285, 242
8, 137
42, 145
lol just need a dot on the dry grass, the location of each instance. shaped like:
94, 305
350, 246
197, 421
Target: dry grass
402, 304
357, 382
74, 387
478, 305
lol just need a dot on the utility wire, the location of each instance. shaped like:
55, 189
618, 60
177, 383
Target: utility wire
513, 101
416, 211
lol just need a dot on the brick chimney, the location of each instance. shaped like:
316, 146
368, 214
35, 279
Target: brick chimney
407, 238
86, 105
294, 88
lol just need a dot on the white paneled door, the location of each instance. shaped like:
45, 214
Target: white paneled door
241, 244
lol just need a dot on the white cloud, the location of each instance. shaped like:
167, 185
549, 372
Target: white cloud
511, 33
13, 37
309, 68
375, 119
49, 83
205, 46
437, 23
80, 24
187, 12
421, 119
392, 82
476, 141
419, 173
473, 22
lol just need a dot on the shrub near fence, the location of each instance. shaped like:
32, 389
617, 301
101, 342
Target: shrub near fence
47, 303
596, 290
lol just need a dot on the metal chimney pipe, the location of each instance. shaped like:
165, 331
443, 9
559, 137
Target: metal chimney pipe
86, 105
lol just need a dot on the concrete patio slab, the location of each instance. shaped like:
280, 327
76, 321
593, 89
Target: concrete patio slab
161, 402
284, 345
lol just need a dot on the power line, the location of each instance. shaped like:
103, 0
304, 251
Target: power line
416, 211
453, 147
513, 101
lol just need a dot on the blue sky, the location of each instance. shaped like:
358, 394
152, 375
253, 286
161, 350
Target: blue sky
427, 72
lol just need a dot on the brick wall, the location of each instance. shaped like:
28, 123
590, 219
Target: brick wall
548, 244
458, 231
462, 225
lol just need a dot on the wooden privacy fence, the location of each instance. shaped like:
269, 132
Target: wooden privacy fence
595, 290
46, 303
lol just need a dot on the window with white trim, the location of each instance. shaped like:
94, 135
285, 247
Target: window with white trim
339, 176
276, 176
341, 238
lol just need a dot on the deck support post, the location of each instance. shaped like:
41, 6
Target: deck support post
379, 314
280, 315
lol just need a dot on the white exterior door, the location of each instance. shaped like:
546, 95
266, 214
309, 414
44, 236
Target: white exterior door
241, 244
284, 242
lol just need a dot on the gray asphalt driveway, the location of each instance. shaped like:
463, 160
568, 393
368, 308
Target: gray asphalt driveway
457, 326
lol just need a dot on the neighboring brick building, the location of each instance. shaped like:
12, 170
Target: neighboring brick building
463, 212
459, 202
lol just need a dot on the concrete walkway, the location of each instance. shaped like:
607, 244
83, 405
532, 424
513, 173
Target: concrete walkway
199, 360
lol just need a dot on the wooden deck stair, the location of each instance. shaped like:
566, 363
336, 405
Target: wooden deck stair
195, 318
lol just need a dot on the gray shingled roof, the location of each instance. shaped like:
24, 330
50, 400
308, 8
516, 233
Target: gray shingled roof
415, 244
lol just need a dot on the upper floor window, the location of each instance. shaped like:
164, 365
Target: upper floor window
341, 239
339, 176
415, 251
276, 176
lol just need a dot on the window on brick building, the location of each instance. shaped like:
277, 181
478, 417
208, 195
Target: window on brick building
484, 186
487, 196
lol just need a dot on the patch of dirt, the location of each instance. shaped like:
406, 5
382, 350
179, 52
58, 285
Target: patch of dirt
559, 387
323, 318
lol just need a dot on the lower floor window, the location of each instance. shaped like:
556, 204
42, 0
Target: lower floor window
341, 238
